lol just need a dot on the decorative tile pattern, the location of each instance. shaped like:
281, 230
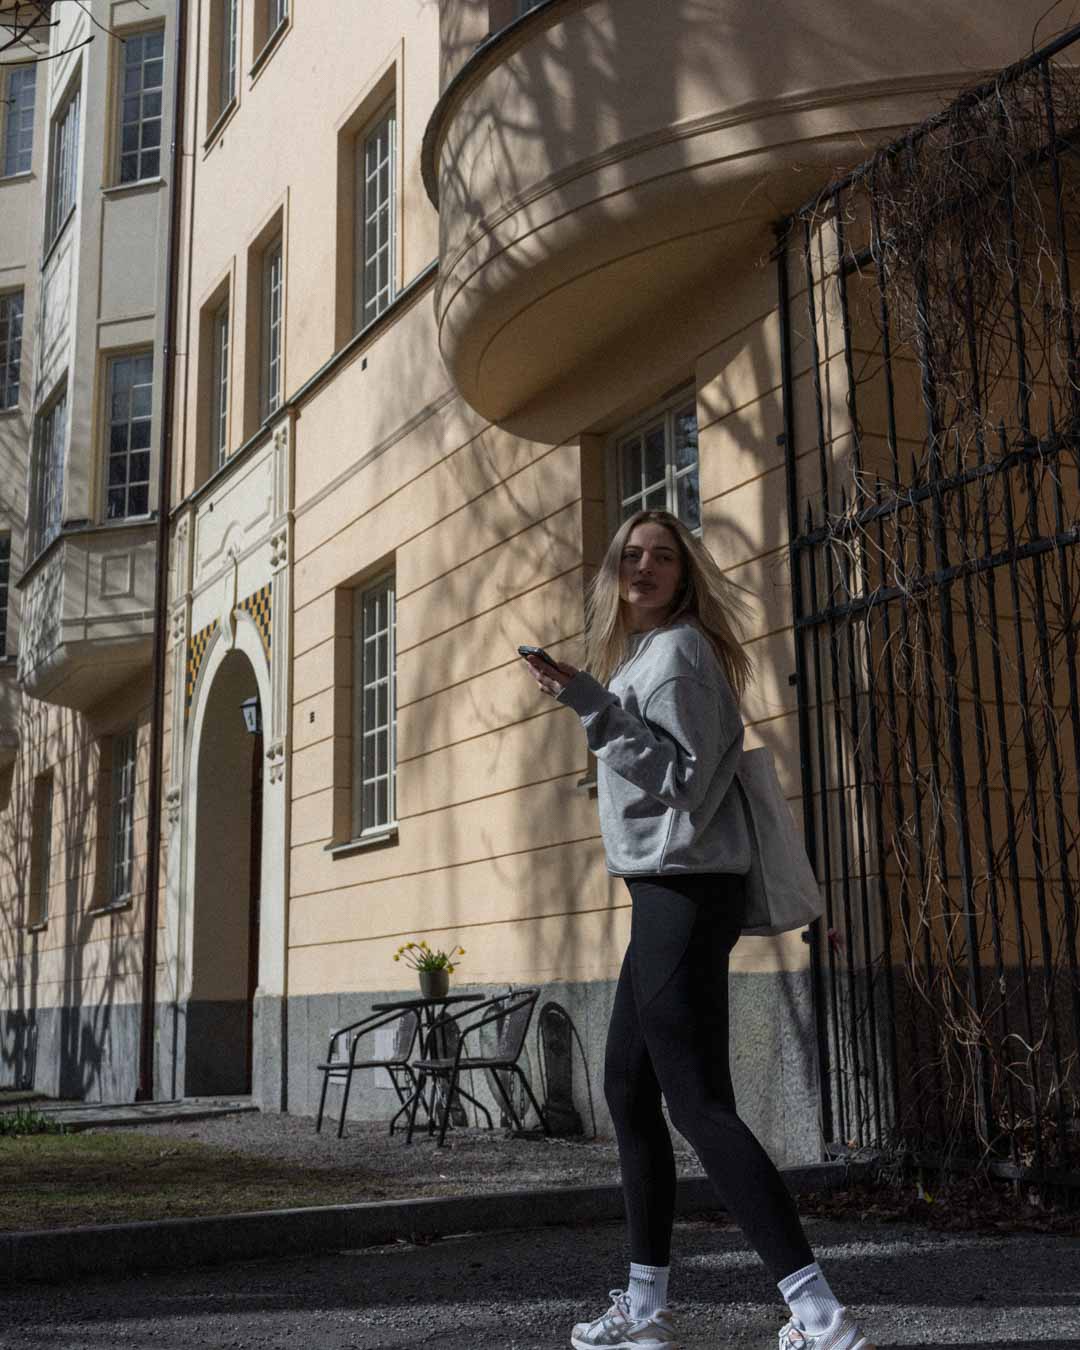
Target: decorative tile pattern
260, 607
197, 645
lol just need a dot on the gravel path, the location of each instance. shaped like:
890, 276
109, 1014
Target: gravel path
473, 1157
523, 1290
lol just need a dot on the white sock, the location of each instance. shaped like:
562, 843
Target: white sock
813, 1304
648, 1290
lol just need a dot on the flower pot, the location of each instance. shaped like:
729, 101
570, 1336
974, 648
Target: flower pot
434, 983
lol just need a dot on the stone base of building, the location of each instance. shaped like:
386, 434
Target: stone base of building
92, 1054
773, 1057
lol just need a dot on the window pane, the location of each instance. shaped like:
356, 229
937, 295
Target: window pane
19, 119
130, 402
11, 309
140, 107
630, 458
655, 460
5, 576
373, 738
686, 437
375, 220
689, 502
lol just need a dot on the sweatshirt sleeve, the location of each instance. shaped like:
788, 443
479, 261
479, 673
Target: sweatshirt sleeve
673, 750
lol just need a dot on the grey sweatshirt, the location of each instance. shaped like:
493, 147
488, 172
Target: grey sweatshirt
667, 735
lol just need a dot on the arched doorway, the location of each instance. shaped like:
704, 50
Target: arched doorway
225, 889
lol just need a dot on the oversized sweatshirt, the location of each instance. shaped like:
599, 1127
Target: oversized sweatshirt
667, 735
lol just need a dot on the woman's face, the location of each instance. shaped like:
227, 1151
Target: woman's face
650, 574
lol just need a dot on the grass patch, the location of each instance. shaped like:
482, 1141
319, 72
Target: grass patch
27, 1121
69, 1180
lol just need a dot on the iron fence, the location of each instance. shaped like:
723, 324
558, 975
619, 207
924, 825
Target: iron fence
932, 442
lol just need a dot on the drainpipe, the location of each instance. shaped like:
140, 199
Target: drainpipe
145, 1091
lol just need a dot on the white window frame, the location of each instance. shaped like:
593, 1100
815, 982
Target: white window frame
63, 166
11, 320
18, 158
128, 419
125, 749
380, 212
277, 11
369, 727
47, 478
219, 411
140, 97
662, 492
41, 845
5, 581
273, 326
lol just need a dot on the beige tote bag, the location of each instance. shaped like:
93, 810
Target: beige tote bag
782, 892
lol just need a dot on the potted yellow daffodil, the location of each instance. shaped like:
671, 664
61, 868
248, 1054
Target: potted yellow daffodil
433, 967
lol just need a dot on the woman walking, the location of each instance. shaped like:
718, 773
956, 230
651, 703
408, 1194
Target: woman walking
661, 714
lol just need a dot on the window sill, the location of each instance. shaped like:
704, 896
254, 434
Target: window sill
269, 47
57, 237
37, 927
140, 185
219, 124
16, 177
113, 907
13, 411
376, 837
587, 784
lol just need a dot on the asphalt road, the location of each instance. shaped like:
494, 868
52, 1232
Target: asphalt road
523, 1290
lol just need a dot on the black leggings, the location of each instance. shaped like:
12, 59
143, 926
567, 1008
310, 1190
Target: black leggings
669, 1034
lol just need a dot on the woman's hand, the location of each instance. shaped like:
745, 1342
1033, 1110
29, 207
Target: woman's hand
551, 680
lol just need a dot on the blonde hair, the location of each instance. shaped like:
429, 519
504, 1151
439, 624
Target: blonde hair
706, 596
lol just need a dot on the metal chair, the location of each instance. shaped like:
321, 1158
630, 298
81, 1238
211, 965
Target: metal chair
511, 1014
341, 1067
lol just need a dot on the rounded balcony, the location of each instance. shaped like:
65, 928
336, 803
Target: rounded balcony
602, 169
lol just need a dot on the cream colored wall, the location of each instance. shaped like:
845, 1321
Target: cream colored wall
276, 157
497, 848
489, 533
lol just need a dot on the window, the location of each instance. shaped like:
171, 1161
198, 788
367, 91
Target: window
219, 417
5, 577
47, 481
63, 167
122, 825
227, 58
523, 7
270, 17
657, 464
272, 329
11, 317
375, 219
140, 106
19, 119
41, 811
374, 708
131, 394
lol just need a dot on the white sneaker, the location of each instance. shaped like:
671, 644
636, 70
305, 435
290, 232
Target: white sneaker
618, 1331
842, 1333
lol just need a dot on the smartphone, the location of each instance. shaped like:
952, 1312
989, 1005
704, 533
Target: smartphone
539, 651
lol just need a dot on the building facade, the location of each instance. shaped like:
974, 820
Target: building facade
84, 203
458, 287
